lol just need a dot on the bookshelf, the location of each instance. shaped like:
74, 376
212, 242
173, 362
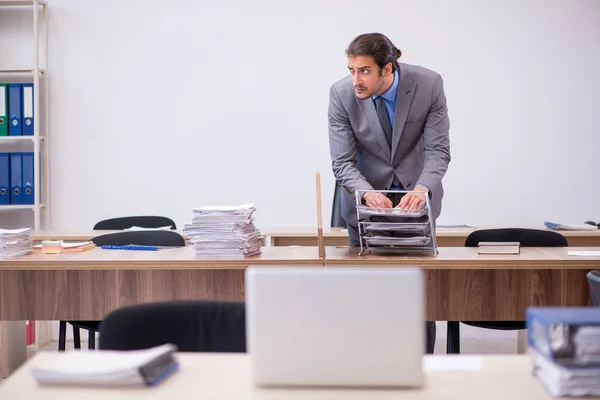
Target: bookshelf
36, 74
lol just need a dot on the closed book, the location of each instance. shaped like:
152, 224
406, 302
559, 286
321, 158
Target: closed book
108, 367
499, 248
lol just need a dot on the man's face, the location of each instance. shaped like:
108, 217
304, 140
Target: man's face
367, 78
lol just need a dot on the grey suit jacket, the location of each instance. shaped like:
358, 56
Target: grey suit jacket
420, 151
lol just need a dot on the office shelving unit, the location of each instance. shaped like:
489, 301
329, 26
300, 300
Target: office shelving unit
392, 230
38, 74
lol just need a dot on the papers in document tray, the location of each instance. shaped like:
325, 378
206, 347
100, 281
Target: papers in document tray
391, 213
15, 242
108, 367
224, 232
393, 227
399, 241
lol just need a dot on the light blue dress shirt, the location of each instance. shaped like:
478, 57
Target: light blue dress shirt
389, 101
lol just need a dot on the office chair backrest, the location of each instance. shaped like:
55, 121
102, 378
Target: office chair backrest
527, 237
337, 221
593, 278
193, 326
141, 238
146, 221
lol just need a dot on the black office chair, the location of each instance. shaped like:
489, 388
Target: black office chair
193, 326
593, 278
527, 238
337, 221
142, 238
147, 221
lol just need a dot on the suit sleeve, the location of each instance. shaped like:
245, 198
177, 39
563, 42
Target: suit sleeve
436, 138
342, 147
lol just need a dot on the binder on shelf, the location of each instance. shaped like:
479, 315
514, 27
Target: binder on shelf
15, 113
16, 178
3, 110
28, 118
30, 332
27, 178
4, 179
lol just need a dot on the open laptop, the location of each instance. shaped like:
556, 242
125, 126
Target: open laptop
346, 326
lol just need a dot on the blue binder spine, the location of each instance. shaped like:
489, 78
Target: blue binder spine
28, 111
4, 179
15, 114
16, 177
27, 184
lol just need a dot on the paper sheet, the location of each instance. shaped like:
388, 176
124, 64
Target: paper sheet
452, 363
584, 253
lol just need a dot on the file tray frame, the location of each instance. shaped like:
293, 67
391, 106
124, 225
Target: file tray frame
408, 223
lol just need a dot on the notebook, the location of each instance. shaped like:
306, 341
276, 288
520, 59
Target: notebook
70, 247
108, 367
499, 248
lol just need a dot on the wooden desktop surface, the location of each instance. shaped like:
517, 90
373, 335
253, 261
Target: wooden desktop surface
227, 376
89, 285
467, 258
172, 258
446, 236
461, 285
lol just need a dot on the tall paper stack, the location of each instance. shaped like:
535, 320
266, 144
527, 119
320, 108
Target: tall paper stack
565, 344
15, 242
224, 232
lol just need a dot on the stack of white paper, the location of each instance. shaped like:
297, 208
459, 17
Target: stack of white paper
565, 381
108, 367
15, 242
224, 232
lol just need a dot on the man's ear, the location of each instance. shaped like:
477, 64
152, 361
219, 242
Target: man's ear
388, 68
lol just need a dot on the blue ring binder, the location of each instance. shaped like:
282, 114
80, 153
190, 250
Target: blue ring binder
128, 247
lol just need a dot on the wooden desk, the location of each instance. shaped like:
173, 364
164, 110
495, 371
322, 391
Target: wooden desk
446, 237
91, 284
465, 286
226, 376
461, 285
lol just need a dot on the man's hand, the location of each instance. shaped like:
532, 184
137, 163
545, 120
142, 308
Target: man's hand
414, 200
377, 200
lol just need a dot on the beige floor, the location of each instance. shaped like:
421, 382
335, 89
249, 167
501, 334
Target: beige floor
468, 346
473, 341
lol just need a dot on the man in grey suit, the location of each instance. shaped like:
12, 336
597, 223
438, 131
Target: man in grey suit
388, 130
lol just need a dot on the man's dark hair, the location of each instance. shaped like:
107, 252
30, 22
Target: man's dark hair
377, 46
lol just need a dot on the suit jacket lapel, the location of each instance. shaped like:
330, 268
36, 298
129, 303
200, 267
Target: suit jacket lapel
404, 98
368, 108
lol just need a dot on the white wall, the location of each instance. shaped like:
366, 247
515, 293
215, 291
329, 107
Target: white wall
160, 107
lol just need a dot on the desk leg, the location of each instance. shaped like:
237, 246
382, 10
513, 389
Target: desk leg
14, 346
453, 337
522, 341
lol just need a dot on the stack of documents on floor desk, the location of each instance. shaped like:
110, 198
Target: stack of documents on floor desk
565, 344
224, 232
15, 242
108, 367
570, 227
